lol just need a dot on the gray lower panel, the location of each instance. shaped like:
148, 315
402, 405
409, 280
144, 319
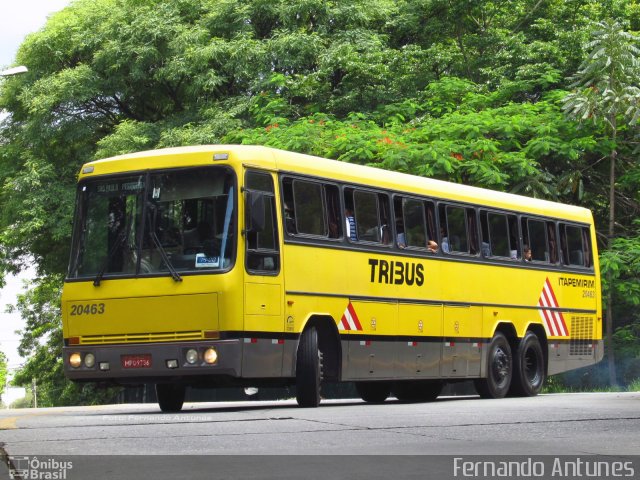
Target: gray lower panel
376, 360
565, 356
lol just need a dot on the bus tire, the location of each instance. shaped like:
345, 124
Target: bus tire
308, 370
499, 369
373, 392
417, 391
170, 396
528, 367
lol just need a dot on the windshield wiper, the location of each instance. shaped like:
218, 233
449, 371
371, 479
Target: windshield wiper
151, 212
114, 248
165, 258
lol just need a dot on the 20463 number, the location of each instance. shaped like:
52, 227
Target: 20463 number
87, 309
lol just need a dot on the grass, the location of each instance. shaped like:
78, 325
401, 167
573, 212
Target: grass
552, 386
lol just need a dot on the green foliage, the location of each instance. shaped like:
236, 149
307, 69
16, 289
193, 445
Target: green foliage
3, 372
41, 344
607, 79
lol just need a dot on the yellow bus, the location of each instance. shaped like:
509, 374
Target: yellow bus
223, 265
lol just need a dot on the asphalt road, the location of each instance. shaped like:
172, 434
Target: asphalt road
605, 424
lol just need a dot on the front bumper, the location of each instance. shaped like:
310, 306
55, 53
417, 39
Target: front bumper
114, 362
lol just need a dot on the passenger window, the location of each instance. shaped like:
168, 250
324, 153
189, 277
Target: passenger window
414, 223
458, 230
575, 246
263, 256
553, 242
499, 235
367, 216
535, 238
309, 208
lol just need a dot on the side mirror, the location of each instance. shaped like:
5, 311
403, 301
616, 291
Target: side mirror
255, 211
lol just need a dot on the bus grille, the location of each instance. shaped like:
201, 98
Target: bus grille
581, 336
140, 337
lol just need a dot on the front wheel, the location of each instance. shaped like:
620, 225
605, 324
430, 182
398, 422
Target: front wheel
499, 369
528, 369
170, 396
308, 370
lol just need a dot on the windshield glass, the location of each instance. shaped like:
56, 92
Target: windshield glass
155, 223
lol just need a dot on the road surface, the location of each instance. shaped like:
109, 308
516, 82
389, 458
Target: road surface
578, 425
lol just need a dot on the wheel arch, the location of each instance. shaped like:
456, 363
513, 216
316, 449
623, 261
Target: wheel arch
509, 331
538, 331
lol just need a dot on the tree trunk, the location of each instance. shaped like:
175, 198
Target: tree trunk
609, 320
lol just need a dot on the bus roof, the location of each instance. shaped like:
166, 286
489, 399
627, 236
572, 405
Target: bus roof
281, 160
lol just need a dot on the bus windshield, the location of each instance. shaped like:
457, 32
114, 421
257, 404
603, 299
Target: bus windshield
156, 223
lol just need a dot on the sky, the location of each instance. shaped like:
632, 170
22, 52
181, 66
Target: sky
18, 18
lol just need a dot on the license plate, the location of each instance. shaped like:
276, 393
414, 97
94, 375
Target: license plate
136, 361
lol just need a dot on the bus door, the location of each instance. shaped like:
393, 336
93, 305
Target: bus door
263, 296
462, 345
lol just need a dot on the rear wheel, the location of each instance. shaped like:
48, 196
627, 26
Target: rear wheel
499, 369
308, 370
170, 396
528, 367
373, 392
417, 391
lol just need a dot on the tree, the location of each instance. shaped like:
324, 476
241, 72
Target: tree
3, 372
465, 91
607, 91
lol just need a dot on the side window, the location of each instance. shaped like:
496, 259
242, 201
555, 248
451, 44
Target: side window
553, 242
534, 233
576, 245
458, 230
499, 235
311, 208
261, 233
308, 200
367, 216
414, 223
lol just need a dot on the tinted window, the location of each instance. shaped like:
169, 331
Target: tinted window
261, 240
458, 231
414, 223
576, 245
499, 235
367, 216
310, 217
536, 239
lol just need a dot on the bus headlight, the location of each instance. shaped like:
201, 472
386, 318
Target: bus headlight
210, 356
89, 360
191, 356
75, 360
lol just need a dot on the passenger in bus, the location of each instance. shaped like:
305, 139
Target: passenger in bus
350, 224
526, 253
401, 239
289, 219
432, 246
445, 240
